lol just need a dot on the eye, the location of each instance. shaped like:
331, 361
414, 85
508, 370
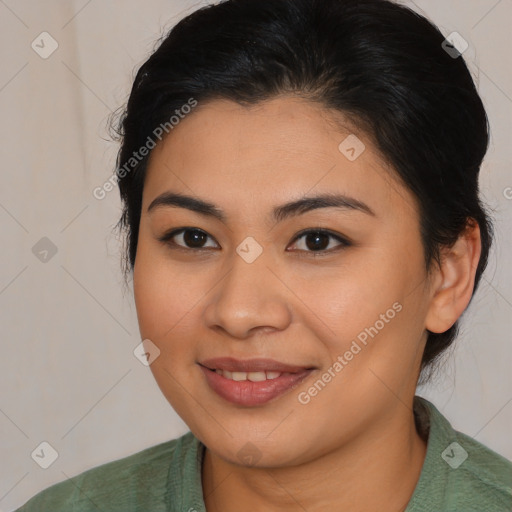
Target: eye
317, 241
189, 238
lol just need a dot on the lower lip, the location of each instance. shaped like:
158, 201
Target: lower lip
249, 393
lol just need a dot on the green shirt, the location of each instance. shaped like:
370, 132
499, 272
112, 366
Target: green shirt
459, 474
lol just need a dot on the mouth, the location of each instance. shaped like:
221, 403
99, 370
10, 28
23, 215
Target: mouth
252, 382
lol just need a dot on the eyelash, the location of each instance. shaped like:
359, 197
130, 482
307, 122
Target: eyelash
167, 237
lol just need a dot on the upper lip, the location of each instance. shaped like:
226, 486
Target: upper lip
231, 364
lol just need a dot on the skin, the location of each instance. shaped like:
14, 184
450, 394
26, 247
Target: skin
294, 306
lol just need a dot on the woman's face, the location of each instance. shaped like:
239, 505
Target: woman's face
346, 314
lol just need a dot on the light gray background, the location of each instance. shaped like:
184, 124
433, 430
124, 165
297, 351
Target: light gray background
68, 374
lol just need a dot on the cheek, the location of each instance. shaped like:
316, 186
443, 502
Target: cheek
164, 294
353, 297
376, 302
165, 316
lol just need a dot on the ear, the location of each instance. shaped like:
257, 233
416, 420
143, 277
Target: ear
453, 284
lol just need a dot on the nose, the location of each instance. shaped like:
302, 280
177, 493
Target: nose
250, 298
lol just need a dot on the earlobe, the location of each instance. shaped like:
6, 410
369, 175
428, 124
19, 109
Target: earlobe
454, 283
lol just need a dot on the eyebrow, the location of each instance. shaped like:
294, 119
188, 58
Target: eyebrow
279, 213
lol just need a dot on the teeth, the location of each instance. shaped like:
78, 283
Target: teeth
252, 376
256, 376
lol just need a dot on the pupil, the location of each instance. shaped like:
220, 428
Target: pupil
193, 237
316, 237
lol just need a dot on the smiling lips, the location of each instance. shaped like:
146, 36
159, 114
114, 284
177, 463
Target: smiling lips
251, 382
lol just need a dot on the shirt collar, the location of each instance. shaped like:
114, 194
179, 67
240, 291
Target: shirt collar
184, 489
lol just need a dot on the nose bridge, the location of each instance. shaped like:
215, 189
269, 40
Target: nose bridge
249, 296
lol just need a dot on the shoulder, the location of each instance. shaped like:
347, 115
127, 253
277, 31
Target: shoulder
130, 483
460, 473
483, 475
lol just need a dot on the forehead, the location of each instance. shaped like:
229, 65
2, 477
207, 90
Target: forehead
278, 149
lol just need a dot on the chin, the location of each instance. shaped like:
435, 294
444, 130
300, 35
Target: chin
258, 451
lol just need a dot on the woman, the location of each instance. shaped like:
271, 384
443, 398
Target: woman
300, 190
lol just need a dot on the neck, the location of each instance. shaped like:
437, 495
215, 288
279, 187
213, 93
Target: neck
377, 470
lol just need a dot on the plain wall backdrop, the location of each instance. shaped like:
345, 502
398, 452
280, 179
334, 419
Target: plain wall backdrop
68, 374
